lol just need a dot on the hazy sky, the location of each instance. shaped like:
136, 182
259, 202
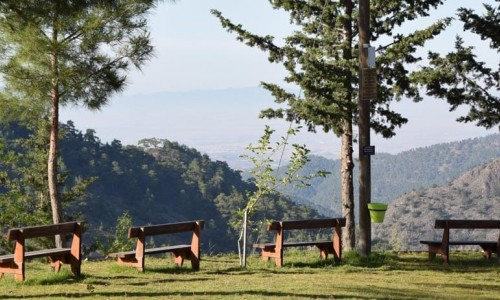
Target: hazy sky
194, 53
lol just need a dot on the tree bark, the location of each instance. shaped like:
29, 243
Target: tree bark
347, 168
364, 135
53, 145
349, 237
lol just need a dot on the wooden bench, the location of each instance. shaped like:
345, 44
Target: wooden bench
275, 250
180, 252
442, 247
15, 263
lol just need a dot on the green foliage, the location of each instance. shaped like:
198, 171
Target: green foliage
269, 180
121, 241
55, 53
460, 78
160, 182
24, 198
322, 59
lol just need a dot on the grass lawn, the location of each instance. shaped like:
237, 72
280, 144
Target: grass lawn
304, 276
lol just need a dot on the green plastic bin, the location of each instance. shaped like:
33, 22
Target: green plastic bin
377, 212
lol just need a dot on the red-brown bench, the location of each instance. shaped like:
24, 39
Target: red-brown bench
15, 263
333, 246
190, 251
442, 247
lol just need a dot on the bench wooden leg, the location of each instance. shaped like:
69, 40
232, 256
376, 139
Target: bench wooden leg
13, 268
195, 262
55, 265
179, 257
278, 256
324, 250
488, 250
278, 261
438, 249
137, 262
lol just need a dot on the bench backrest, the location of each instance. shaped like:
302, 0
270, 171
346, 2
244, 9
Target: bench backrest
471, 224
165, 228
44, 230
307, 224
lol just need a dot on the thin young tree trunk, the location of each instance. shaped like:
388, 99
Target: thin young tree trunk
53, 146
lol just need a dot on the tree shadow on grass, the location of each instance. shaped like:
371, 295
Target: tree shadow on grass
460, 261
195, 294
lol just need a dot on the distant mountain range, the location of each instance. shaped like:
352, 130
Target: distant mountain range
395, 175
410, 218
221, 123
160, 181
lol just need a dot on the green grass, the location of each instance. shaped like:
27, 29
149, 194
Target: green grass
304, 276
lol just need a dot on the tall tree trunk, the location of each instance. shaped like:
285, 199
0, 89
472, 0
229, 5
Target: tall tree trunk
365, 231
53, 145
349, 237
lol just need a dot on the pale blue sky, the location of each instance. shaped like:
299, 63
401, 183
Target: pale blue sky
193, 53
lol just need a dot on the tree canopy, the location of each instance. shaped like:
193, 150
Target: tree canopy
56, 53
322, 60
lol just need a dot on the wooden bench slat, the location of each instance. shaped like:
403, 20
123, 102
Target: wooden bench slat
294, 244
47, 252
457, 243
41, 231
165, 228
306, 224
159, 250
468, 224
6, 258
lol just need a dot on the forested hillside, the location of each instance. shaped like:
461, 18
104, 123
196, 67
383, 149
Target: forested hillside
160, 181
474, 195
156, 182
395, 175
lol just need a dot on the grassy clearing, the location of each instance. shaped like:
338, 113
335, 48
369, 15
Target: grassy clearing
304, 276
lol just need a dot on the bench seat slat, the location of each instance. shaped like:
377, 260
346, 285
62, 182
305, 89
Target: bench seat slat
130, 254
306, 224
165, 228
294, 244
468, 224
462, 242
43, 230
36, 254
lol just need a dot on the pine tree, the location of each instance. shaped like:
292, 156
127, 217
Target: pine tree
322, 59
56, 52
460, 79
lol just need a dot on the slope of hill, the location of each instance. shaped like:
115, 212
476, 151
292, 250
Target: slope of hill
474, 195
161, 182
394, 175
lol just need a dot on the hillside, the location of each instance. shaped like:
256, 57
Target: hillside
160, 181
395, 175
157, 182
410, 218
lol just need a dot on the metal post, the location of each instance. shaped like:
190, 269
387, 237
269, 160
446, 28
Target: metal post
364, 133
